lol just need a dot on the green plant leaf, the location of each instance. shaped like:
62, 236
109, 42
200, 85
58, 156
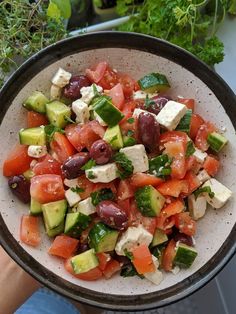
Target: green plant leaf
59, 8
53, 11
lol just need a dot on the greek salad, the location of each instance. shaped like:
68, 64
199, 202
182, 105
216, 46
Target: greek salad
118, 171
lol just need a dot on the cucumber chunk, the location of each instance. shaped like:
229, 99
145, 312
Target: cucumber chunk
76, 223
36, 102
154, 82
55, 231
113, 137
84, 262
149, 201
107, 112
159, 237
185, 255
102, 238
35, 207
54, 213
33, 136
184, 124
216, 141
57, 113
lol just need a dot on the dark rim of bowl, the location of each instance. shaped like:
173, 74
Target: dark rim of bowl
158, 47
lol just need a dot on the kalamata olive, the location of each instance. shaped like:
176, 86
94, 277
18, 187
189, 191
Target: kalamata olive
72, 166
158, 103
101, 152
183, 238
72, 90
82, 248
112, 215
149, 131
20, 186
120, 258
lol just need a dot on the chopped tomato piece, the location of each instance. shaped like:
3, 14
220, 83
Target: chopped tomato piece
125, 190
190, 162
177, 151
90, 132
63, 246
173, 187
117, 96
47, 165
165, 223
47, 188
196, 122
173, 208
168, 256
140, 179
188, 102
211, 165
136, 86
29, 230
202, 134
35, 119
112, 267
96, 75
91, 275
185, 224
149, 223
125, 204
173, 136
62, 147
103, 258
86, 185
17, 161
193, 181
109, 79
73, 135
127, 84
142, 259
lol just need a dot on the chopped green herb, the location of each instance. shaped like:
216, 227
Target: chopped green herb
190, 149
129, 271
50, 130
102, 195
91, 175
148, 102
130, 133
124, 165
205, 189
68, 119
128, 254
129, 141
160, 165
95, 91
77, 189
114, 138
130, 120
91, 163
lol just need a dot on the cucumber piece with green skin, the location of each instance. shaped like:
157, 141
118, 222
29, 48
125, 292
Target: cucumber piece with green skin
129, 141
185, 255
102, 238
216, 141
160, 165
57, 112
184, 124
159, 237
149, 201
36, 102
55, 231
28, 174
154, 82
84, 262
76, 223
54, 213
107, 112
33, 136
35, 207
113, 137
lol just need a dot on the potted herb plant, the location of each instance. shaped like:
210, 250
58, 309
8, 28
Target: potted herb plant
105, 9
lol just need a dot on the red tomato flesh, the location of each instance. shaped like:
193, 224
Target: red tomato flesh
96, 75
168, 256
202, 134
211, 165
196, 122
140, 179
185, 224
117, 96
62, 147
128, 84
109, 79
125, 190
177, 151
173, 208
91, 275
35, 119
173, 187
188, 102
111, 268
47, 165
29, 230
193, 181
63, 246
142, 259
72, 133
103, 258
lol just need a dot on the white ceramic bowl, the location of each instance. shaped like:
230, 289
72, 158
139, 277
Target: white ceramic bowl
136, 55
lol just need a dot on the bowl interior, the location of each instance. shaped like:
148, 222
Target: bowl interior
212, 230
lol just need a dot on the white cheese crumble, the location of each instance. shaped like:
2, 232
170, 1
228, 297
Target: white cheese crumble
61, 78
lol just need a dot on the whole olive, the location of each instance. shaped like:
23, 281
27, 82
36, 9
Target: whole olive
149, 131
72, 90
82, 247
20, 187
112, 215
183, 238
72, 166
101, 152
158, 103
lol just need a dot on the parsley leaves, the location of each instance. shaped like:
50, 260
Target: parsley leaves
148, 102
205, 189
91, 163
102, 195
50, 130
190, 149
77, 189
125, 165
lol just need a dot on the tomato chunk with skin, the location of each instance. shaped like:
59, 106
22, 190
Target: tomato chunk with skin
35, 119
128, 84
125, 190
17, 161
103, 259
72, 133
91, 275
173, 208
109, 79
202, 134
90, 132
111, 268
185, 224
47, 165
47, 188
173, 136
211, 165
142, 259
188, 102
173, 187
87, 186
177, 151
63, 246
195, 124
96, 75
140, 179
117, 96
62, 147
168, 256
29, 230
193, 181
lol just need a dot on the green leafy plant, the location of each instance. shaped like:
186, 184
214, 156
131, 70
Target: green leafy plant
191, 24
26, 27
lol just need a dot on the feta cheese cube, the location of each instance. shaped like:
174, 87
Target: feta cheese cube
104, 173
72, 197
88, 93
73, 183
86, 207
99, 119
222, 193
81, 110
137, 155
197, 207
155, 277
199, 155
61, 78
171, 114
137, 112
131, 238
55, 92
203, 176
142, 95
37, 151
